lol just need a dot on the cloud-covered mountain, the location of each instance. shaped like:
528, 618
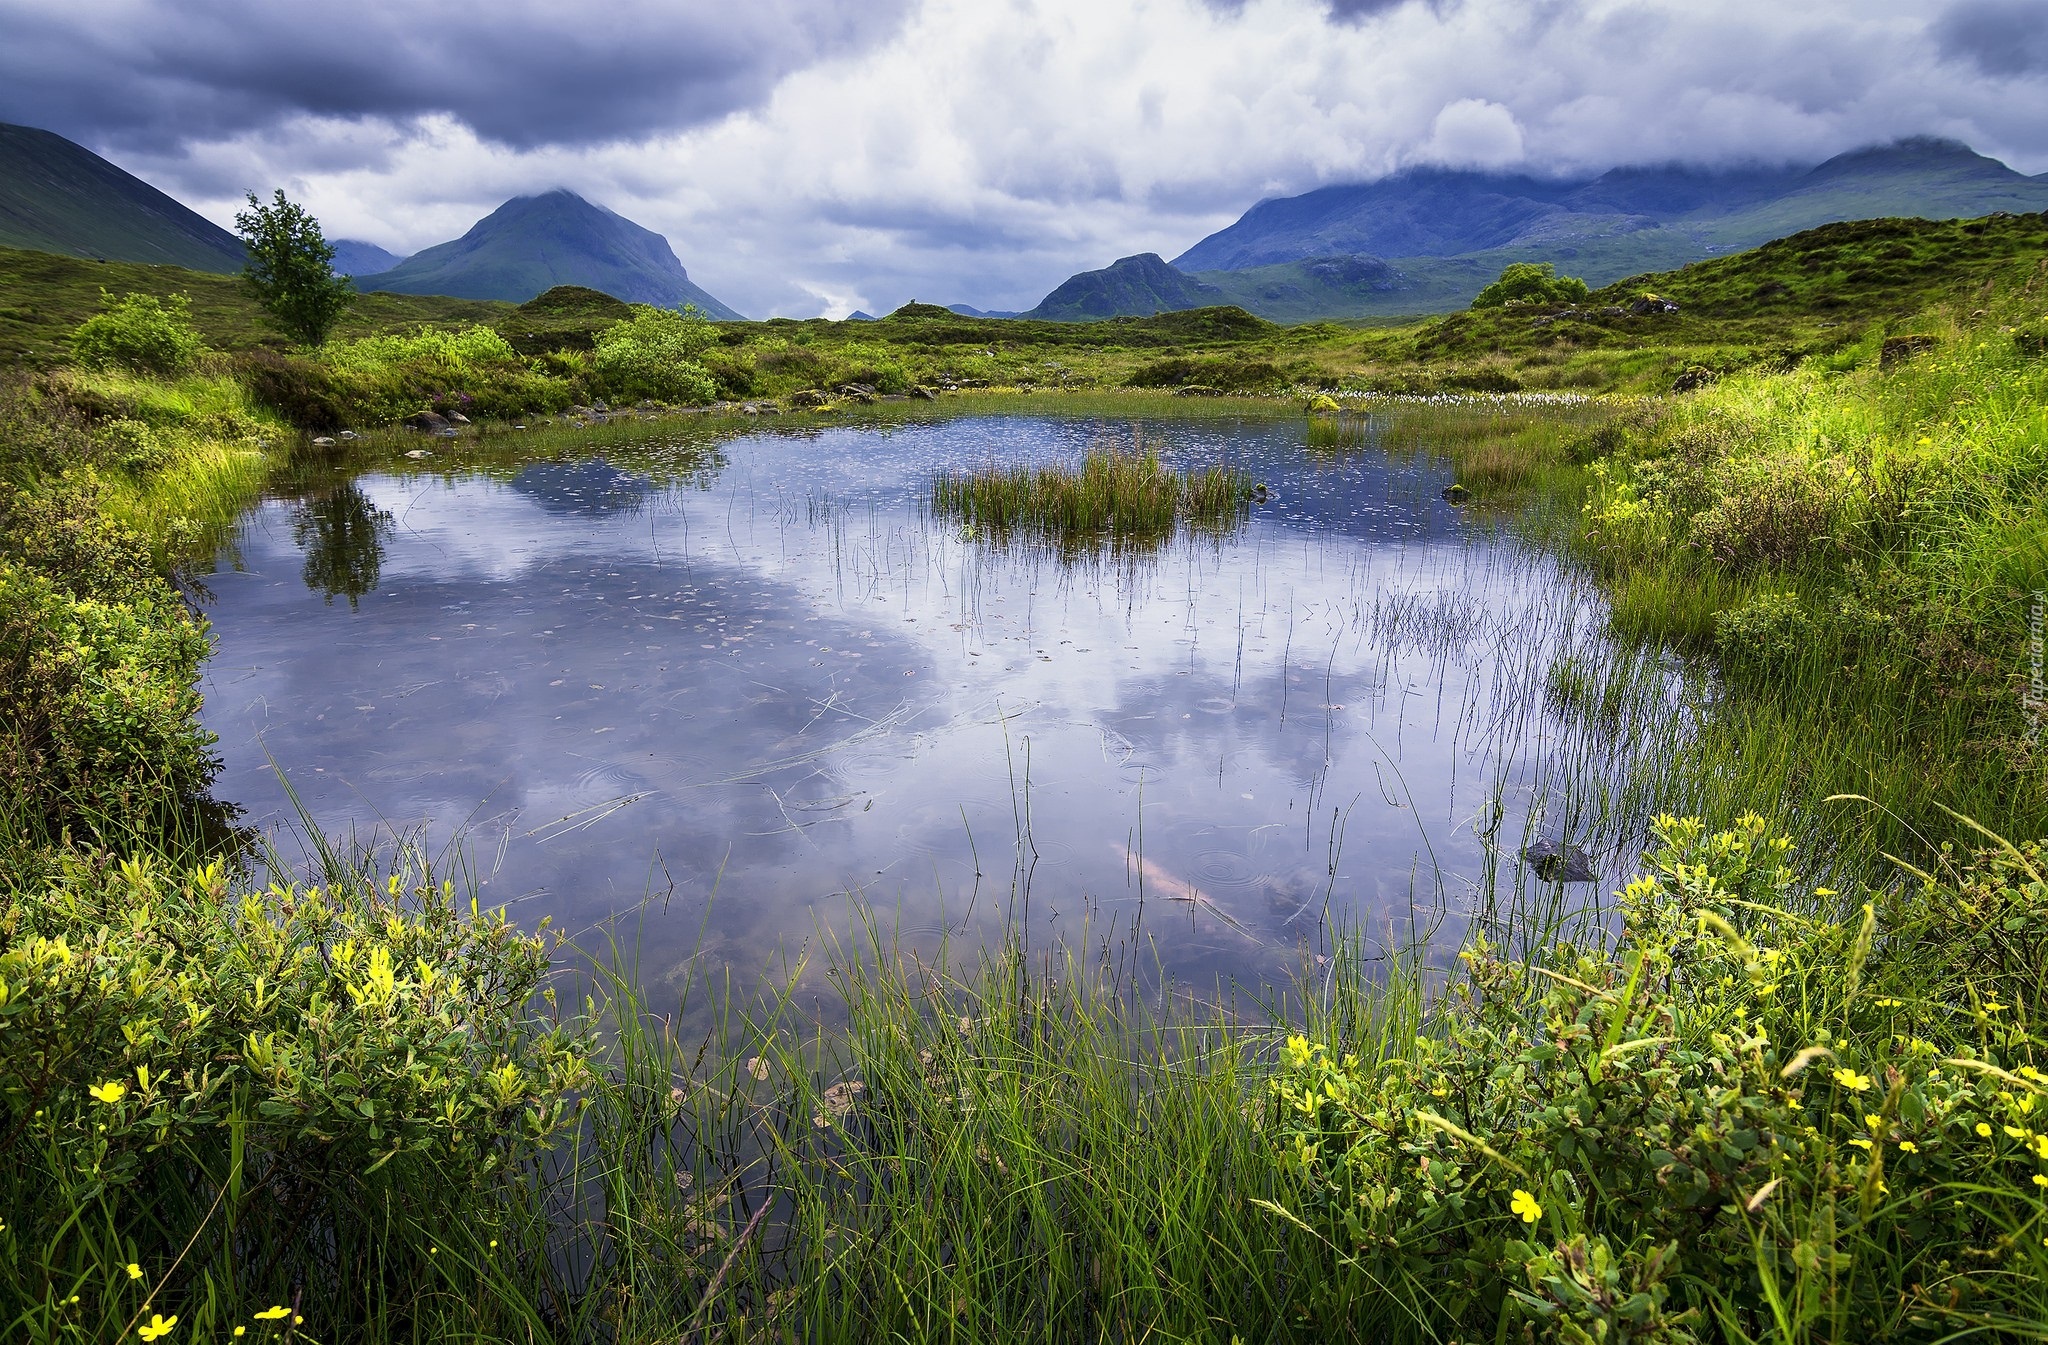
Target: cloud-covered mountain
1130, 286
59, 197
353, 257
1434, 212
534, 243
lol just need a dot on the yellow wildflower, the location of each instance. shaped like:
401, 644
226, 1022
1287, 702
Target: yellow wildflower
273, 1314
1526, 1205
1984, 1129
1851, 1080
134, 1271
158, 1325
110, 1092
1908, 1146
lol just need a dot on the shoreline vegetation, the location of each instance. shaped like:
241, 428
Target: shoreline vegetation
1788, 1086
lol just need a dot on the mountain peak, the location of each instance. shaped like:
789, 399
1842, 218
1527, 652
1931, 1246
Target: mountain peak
531, 244
1136, 286
57, 196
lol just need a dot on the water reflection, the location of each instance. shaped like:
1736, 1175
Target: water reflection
342, 534
762, 685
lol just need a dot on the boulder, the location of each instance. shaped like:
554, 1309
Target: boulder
809, 398
1694, 378
457, 418
1645, 305
1558, 863
1456, 494
431, 421
417, 453
322, 441
923, 393
346, 435
1323, 404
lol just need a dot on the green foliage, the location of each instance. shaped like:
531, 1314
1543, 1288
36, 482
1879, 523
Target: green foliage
291, 269
378, 380
139, 332
1531, 283
1113, 498
215, 1099
1771, 628
656, 355
1742, 1118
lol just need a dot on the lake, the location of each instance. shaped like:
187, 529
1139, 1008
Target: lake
720, 695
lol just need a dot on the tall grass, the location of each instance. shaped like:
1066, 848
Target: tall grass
1113, 495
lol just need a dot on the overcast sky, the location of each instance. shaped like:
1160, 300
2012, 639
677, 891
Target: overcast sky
816, 156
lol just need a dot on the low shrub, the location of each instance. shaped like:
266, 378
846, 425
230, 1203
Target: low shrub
656, 355
288, 1096
139, 332
1769, 629
1531, 283
1743, 1122
303, 391
380, 380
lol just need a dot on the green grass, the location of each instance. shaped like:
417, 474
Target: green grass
43, 297
1113, 497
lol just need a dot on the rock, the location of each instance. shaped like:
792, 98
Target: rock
577, 411
417, 453
760, 409
347, 436
457, 418
1323, 404
1694, 378
599, 406
1456, 494
1615, 311
322, 441
1555, 863
1644, 305
1899, 349
809, 398
518, 427
445, 432
923, 393
1197, 390
426, 420
858, 392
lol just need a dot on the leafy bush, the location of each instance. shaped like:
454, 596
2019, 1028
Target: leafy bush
656, 355
1743, 1122
139, 332
215, 1099
383, 379
301, 390
1219, 371
1531, 283
1771, 628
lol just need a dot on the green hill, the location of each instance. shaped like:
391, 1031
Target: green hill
44, 296
56, 196
532, 244
1128, 287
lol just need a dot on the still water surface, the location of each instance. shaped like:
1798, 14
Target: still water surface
759, 684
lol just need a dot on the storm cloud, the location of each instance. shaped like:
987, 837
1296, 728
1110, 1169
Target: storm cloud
522, 73
817, 156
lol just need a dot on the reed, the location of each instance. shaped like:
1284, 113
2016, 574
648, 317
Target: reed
1112, 495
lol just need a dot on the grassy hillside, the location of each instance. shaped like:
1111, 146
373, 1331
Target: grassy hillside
61, 197
44, 296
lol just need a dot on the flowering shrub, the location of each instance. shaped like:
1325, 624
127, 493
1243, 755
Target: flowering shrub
198, 1088
1741, 1120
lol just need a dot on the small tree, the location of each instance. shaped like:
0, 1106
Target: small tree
1531, 283
291, 269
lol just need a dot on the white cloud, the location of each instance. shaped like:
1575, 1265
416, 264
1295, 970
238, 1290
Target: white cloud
1473, 133
990, 148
